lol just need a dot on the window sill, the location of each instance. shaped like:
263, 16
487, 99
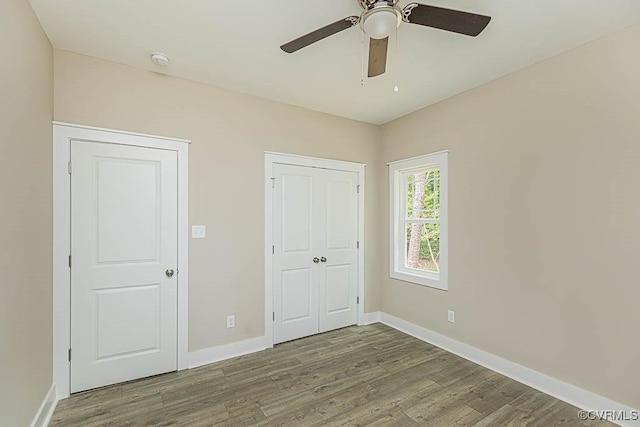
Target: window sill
418, 279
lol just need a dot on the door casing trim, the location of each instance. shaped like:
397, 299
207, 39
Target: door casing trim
271, 158
63, 134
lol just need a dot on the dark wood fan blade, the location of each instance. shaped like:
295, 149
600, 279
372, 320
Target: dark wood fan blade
455, 21
320, 34
377, 56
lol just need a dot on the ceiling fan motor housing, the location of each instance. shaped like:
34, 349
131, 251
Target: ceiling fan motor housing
368, 4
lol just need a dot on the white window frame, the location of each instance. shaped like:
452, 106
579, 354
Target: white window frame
397, 197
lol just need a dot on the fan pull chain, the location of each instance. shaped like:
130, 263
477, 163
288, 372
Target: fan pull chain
395, 88
362, 56
396, 40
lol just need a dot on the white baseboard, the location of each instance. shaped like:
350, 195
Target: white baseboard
226, 351
45, 411
576, 396
369, 318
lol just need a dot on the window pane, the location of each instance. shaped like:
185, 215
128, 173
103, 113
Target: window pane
423, 194
423, 247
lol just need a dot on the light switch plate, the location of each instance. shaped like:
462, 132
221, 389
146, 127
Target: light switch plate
231, 321
198, 231
451, 316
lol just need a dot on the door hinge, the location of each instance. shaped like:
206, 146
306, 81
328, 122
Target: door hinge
273, 183
69, 167
69, 355
273, 249
274, 316
357, 300
358, 189
69, 261
358, 244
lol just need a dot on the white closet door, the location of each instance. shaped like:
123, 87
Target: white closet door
295, 237
339, 256
315, 214
123, 241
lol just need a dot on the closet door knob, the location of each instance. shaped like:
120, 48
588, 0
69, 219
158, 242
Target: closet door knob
169, 272
323, 259
316, 260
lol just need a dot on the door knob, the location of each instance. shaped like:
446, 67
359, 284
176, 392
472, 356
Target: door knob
316, 260
169, 272
323, 259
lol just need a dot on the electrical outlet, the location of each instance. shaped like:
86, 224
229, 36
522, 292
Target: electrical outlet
231, 321
198, 231
451, 316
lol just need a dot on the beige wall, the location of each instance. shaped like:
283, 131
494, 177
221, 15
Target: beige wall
229, 133
544, 216
26, 110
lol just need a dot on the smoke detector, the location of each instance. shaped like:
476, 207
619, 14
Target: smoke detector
160, 59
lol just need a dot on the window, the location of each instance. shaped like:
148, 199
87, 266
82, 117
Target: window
418, 199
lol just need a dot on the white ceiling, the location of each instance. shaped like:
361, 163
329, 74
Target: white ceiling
235, 45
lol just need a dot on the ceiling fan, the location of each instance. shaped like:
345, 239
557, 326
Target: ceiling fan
381, 17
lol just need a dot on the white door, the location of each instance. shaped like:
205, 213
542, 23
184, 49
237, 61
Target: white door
123, 247
339, 257
315, 231
295, 236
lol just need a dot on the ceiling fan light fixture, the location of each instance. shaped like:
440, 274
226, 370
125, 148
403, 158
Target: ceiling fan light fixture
380, 22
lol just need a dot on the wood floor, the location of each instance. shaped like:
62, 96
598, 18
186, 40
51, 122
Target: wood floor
369, 376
